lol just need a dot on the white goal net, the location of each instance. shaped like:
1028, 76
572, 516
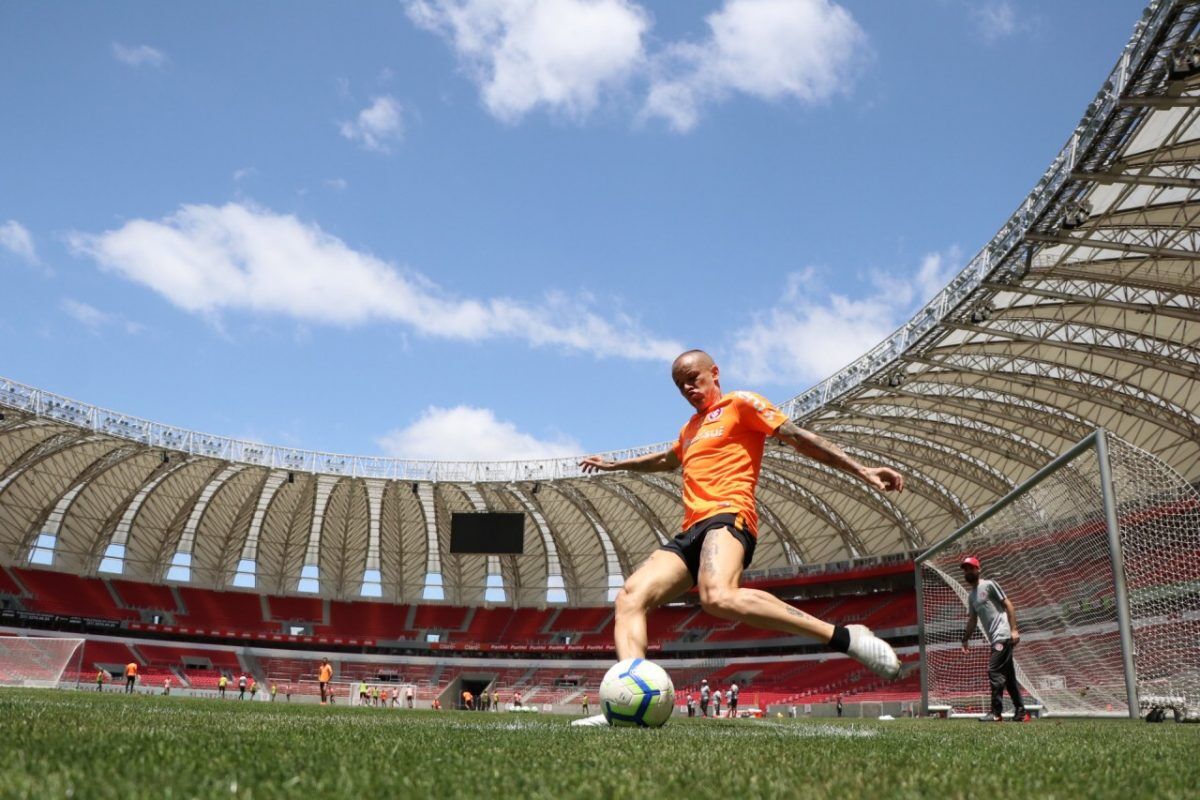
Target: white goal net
1048, 545
39, 661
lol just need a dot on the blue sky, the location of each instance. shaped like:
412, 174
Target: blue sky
482, 228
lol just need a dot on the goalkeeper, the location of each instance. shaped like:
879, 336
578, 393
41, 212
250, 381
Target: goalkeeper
988, 603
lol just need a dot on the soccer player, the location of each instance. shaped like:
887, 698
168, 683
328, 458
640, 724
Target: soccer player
720, 449
585, 704
733, 696
101, 677
222, 682
408, 693
705, 696
495, 700
987, 602
130, 676
274, 691
691, 705
839, 705
242, 686
324, 676
166, 686
716, 696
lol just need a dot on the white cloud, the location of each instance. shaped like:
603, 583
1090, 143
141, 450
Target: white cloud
465, 433
804, 50
208, 259
17, 239
95, 319
337, 184
243, 173
141, 55
811, 334
996, 19
377, 126
559, 54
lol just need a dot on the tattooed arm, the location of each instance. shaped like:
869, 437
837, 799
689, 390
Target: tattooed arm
819, 449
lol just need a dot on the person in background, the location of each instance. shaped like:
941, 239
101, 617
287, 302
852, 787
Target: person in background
166, 686
716, 696
839, 705
101, 677
705, 697
691, 705
408, 693
733, 698
222, 682
274, 691
242, 686
989, 604
585, 704
324, 676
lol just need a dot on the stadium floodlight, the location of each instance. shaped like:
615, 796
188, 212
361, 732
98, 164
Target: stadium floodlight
39, 661
1097, 552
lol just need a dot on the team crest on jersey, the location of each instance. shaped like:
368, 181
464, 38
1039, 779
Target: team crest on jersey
998, 646
714, 415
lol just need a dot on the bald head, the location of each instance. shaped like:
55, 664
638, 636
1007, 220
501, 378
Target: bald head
696, 358
697, 377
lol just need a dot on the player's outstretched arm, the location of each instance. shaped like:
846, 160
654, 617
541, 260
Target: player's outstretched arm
820, 449
654, 462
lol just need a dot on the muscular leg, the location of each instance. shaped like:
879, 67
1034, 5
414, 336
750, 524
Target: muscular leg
720, 595
662, 578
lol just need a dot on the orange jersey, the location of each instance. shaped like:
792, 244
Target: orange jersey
721, 451
326, 674
130, 669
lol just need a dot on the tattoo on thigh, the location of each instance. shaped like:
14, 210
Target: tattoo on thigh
708, 556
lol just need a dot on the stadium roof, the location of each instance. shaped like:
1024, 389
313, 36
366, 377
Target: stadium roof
1082, 311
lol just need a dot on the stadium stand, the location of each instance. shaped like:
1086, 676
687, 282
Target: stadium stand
223, 611
297, 609
149, 596
69, 595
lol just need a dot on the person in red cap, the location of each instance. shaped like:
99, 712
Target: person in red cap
988, 604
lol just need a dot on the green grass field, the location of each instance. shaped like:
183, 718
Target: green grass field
65, 744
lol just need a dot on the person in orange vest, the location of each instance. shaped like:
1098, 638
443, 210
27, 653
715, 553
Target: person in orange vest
324, 676
101, 677
130, 676
467, 698
436, 705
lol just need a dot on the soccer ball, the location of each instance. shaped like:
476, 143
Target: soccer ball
637, 693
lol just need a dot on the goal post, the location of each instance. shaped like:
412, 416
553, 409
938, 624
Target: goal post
1099, 552
38, 661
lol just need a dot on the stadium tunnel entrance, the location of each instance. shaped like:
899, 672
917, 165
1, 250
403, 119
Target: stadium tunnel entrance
475, 683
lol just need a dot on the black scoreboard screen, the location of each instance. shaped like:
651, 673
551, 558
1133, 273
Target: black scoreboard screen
493, 533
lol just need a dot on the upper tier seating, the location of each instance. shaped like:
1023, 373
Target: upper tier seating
297, 609
223, 611
69, 595
7, 584
149, 596
447, 618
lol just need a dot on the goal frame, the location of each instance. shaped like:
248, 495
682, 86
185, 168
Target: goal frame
1098, 441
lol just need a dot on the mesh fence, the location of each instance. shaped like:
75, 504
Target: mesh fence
1048, 549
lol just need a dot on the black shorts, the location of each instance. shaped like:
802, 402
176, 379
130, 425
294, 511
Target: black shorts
687, 545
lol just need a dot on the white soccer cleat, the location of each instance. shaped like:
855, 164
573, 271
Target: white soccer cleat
872, 652
594, 721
